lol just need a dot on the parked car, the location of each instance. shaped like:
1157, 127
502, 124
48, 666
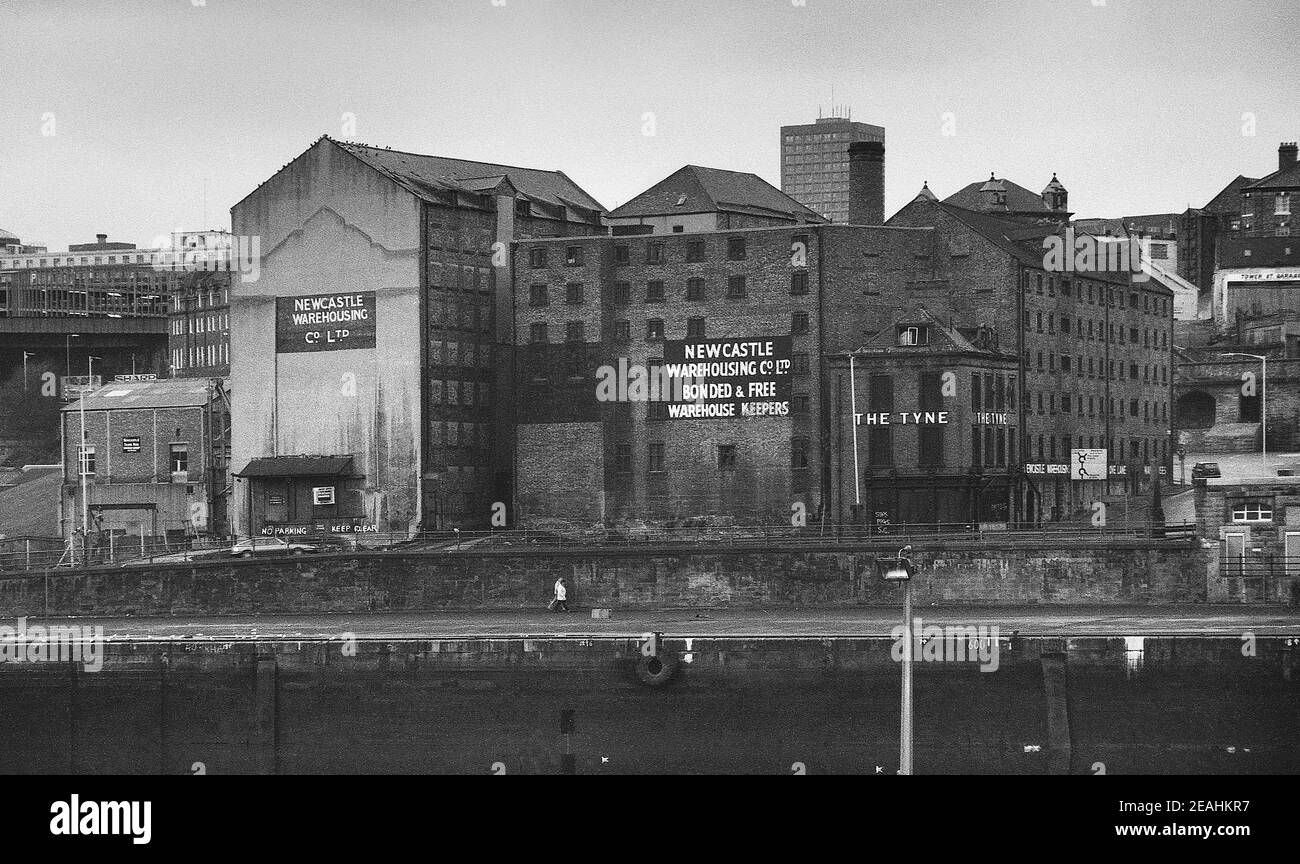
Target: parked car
269, 546
1202, 471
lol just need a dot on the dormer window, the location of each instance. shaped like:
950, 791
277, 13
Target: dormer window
913, 334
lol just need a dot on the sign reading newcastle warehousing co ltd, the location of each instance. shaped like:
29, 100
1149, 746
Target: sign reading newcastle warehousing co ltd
730, 378
325, 322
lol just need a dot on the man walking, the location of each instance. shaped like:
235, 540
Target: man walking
561, 595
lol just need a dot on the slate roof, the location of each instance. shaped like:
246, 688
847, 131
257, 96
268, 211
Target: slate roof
1229, 198
165, 393
695, 189
419, 173
1019, 199
298, 466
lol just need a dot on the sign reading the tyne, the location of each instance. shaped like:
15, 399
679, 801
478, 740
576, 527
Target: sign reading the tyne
325, 322
725, 378
904, 418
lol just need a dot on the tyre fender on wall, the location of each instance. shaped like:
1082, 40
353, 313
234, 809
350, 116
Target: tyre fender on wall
658, 670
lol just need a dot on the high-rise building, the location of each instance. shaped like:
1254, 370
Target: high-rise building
815, 162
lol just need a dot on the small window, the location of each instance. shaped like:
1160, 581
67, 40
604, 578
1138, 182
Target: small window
622, 331
537, 333
654, 329
180, 458
573, 256
799, 322
799, 454
695, 289
622, 256
86, 457
914, 334
622, 293
799, 364
695, 328
654, 292
655, 455
694, 251
736, 287
799, 283
654, 253
573, 293
726, 457
573, 332
799, 403
1252, 511
736, 249
623, 458
537, 257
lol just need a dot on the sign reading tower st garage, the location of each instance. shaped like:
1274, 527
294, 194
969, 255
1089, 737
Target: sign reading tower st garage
730, 378
325, 322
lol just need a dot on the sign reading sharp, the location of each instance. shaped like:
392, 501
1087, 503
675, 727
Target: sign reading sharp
725, 378
325, 322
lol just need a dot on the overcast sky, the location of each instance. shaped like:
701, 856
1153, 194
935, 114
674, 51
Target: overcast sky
117, 115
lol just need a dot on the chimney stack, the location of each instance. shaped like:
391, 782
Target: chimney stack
866, 183
101, 239
1286, 155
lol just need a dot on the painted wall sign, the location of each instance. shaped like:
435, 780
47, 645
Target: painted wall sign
1046, 468
905, 418
730, 378
990, 419
140, 377
325, 322
1088, 464
322, 495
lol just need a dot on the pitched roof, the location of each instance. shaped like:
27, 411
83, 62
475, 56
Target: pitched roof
694, 189
298, 466
1229, 198
943, 338
1019, 199
1287, 178
418, 173
165, 393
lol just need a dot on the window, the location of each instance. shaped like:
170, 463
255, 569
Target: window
726, 457
622, 293
573, 293
573, 256
736, 287
86, 458
799, 282
622, 256
736, 249
799, 364
694, 251
537, 333
880, 439
654, 329
976, 393
623, 458
1252, 511
918, 334
694, 328
180, 458
931, 445
1282, 204
654, 292
537, 257
799, 454
976, 446
798, 322
654, 253
1065, 362
655, 455
799, 403
695, 289
573, 332
622, 331
538, 295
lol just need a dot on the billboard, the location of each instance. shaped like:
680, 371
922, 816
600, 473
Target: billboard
325, 322
729, 378
1088, 464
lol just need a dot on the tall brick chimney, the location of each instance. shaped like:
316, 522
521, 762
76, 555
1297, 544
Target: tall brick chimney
1286, 155
866, 183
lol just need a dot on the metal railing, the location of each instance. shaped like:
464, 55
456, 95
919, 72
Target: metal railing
1261, 578
506, 541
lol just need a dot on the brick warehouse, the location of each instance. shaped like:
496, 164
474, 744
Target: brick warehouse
404, 397
1063, 361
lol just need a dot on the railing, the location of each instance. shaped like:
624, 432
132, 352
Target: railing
817, 536
1261, 578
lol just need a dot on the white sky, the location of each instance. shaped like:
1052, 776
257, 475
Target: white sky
1137, 104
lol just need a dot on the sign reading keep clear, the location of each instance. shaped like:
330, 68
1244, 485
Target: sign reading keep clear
325, 322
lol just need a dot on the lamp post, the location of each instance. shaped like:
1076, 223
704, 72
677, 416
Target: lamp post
901, 569
26, 354
1263, 401
67, 352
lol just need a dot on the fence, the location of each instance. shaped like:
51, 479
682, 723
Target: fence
1261, 577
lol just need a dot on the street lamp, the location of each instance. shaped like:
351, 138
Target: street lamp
1263, 401
901, 569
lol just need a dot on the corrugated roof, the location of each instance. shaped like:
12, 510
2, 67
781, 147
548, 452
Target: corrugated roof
440, 172
166, 393
695, 189
298, 466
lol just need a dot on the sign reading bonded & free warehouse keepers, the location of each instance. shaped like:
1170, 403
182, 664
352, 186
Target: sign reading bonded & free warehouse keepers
730, 378
325, 322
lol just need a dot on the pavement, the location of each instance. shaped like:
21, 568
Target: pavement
720, 623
